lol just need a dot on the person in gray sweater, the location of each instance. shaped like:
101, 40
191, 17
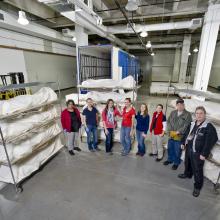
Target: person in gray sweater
177, 124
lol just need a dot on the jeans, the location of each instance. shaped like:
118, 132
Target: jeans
109, 140
140, 140
92, 137
174, 151
125, 139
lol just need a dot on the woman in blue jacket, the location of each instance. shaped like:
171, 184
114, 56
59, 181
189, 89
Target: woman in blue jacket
142, 126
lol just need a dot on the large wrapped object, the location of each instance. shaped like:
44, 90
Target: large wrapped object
24, 102
126, 83
25, 146
18, 126
26, 167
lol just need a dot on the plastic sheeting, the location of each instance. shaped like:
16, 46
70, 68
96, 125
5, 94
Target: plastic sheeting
126, 83
20, 103
29, 143
31, 164
101, 96
211, 171
18, 126
160, 88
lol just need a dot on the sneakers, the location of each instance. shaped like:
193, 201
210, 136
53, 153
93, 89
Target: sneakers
196, 192
167, 162
77, 149
152, 155
174, 167
183, 176
158, 159
71, 152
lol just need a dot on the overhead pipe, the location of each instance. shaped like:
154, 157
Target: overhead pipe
123, 29
155, 46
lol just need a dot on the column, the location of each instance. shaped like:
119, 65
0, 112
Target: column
81, 40
207, 47
176, 67
184, 58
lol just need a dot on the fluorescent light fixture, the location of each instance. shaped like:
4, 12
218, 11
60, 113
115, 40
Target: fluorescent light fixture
144, 34
189, 54
132, 5
196, 50
152, 54
22, 18
74, 39
148, 45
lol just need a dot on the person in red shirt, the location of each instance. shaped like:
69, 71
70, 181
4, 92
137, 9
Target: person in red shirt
109, 123
127, 126
71, 123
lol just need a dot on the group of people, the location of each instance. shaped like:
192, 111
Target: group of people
195, 137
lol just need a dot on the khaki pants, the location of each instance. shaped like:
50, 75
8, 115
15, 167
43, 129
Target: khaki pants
157, 145
72, 140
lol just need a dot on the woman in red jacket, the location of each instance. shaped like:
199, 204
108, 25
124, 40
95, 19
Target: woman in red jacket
157, 130
109, 123
71, 123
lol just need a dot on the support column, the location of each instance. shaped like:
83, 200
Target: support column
176, 67
81, 40
184, 58
207, 47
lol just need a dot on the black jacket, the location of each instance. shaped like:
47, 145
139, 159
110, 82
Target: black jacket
204, 140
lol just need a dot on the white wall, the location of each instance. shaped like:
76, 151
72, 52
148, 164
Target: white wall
146, 67
162, 66
49, 67
12, 61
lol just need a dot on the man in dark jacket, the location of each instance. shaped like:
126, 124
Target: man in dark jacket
177, 124
198, 140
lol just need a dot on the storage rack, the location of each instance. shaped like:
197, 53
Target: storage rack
92, 67
17, 185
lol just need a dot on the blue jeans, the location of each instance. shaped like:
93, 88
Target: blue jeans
174, 151
125, 139
140, 140
92, 137
109, 140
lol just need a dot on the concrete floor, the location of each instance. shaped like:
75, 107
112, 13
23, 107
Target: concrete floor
95, 186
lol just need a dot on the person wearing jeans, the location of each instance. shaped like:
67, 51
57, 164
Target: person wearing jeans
108, 117
71, 123
127, 127
157, 130
90, 121
177, 124
142, 126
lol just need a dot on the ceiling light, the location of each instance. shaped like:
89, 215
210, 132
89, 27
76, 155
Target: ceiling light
132, 5
152, 54
22, 18
189, 54
74, 39
196, 50
148, 45
144, 34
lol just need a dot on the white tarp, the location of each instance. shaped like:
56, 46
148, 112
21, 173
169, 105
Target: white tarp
161, 88
18, 126
211, 171
29, 143
31, 164
212, 108
126, 83
20, 103
101, 96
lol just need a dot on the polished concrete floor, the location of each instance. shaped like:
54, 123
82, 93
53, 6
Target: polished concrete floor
96, 186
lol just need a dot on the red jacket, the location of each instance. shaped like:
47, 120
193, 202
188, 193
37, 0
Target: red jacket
66, 119
159, 123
